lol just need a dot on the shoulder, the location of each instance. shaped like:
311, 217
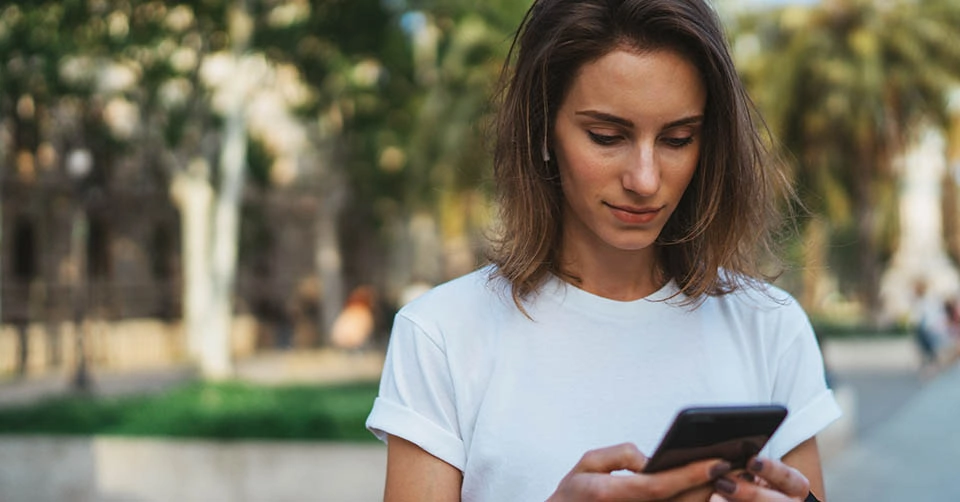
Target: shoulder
764, 311
466, 299
480, 285
461, 321
761, 298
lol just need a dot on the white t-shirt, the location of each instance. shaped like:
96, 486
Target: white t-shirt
514, 403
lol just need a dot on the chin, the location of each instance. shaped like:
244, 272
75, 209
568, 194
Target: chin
635, 247
631, 244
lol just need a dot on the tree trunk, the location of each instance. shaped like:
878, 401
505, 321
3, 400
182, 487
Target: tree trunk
869, 259
215, 352
210, 222
215, 349
867, 174
79, 236
816, 237
328, 258
194, 197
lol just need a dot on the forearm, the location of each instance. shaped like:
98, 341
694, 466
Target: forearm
806, 459
413, 475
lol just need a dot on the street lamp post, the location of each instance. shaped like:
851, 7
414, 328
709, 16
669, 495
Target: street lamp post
79, 164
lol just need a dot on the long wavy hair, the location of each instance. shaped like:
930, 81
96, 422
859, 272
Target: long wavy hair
721, 234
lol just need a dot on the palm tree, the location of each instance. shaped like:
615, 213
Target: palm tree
846, 85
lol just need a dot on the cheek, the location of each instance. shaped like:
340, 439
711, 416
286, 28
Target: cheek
687, 175
575, 183
580, 172
683, 171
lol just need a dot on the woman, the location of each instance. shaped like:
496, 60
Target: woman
625, 285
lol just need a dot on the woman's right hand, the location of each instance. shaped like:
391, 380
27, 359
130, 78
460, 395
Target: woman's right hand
591, 478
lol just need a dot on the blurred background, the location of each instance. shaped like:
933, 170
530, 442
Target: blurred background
210, 211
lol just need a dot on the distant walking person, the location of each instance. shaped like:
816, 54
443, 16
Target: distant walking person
929, 325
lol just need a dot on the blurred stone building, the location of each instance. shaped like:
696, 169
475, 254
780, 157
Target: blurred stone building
106, 255
127, 265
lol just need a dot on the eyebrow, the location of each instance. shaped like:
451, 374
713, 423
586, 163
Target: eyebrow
613, 119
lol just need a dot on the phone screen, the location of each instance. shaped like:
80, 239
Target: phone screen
733, 433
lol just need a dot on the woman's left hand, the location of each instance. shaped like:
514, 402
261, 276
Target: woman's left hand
772, 481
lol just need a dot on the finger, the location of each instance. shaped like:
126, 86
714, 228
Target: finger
738, 490
612, 458
780, 476
669, 483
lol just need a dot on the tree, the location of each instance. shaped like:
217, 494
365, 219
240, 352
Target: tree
443, 157
845, 85
163, 64
333, 103
350, 56
270, 79
53, 103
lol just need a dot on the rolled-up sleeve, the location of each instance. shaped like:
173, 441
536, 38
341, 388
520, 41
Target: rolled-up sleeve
416, 400
799, 382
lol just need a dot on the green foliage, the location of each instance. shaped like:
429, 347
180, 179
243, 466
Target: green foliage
846, 86
401, 130
831, 329
226, 411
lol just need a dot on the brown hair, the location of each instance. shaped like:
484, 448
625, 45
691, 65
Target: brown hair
721, 231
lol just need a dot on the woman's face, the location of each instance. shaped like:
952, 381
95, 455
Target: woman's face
627, 142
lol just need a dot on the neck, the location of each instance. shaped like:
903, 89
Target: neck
613, 273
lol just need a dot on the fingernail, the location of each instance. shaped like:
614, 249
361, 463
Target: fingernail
756, 465
719, 469
725, 485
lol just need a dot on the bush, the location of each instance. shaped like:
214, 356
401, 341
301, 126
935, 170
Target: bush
206, 410
834, 329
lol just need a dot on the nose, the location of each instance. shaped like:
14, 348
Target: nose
641, 174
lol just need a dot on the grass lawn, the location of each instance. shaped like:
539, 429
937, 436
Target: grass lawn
207, 410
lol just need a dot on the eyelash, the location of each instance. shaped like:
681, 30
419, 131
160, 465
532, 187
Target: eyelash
602, 139
605, 140
678, 142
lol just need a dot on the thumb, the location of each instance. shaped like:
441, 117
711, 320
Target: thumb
612, 458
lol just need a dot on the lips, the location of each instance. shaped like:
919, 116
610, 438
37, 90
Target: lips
635, 215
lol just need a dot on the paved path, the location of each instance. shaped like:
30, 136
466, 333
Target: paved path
912, 455
879, 394
118, 469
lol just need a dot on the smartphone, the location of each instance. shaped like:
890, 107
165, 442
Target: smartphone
733, 433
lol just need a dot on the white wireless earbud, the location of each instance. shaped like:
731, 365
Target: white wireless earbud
545, 152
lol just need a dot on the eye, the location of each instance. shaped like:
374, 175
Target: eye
678, 142
603, 139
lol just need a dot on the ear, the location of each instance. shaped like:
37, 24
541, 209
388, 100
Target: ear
545, 152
